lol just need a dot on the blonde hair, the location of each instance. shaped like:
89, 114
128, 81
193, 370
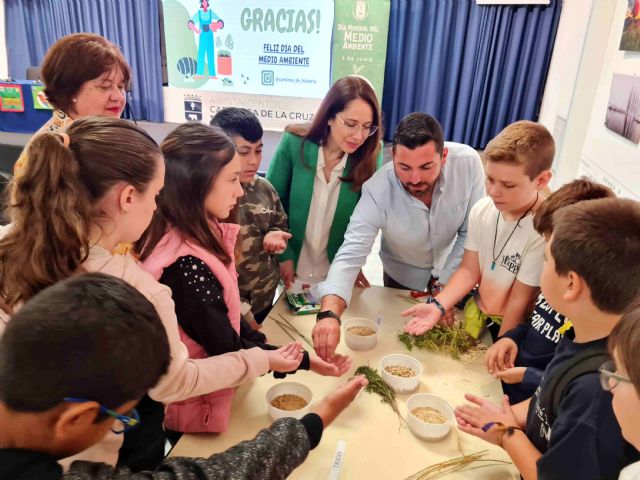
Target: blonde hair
523, 143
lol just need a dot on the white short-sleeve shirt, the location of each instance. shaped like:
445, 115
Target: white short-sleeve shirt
521, 259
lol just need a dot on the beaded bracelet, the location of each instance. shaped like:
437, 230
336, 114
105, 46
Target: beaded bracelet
502, 429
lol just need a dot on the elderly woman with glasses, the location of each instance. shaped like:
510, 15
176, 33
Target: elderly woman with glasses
621, 376
84, 74
318, 170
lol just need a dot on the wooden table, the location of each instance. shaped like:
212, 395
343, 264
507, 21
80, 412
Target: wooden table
377, 446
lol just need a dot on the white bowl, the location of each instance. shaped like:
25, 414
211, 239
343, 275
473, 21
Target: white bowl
291, 388
401, 384
424, 430
360, 342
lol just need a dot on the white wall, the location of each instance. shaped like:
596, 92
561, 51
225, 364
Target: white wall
607, 156
4, 68
574, 105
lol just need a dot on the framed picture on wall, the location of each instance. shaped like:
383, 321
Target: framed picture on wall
623, 107
630, 40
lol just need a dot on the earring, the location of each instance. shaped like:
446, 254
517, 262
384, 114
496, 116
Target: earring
74, 100
124, 212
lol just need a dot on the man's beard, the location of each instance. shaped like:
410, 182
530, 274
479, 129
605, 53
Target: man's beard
419, 190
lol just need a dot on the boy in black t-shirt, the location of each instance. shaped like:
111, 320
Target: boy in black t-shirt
591, 275
521, 355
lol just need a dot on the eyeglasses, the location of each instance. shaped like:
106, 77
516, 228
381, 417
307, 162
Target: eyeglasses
129, 422
354, 128
608, 378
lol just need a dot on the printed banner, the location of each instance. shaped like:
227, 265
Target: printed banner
280, 47
274, 112
360, 40
39, 99
11, 98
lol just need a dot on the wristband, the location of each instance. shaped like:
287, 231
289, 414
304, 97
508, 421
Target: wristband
502, 430
437, 303
328, 314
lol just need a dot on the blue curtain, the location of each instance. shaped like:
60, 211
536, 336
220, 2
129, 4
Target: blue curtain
476, 68
32, 26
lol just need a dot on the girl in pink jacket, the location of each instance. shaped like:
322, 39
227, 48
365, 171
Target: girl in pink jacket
81, 194
189, 249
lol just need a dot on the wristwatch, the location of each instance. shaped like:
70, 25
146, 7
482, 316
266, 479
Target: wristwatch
437, 303
328, 314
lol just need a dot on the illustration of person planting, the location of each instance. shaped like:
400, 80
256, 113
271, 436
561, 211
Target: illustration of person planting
209, 22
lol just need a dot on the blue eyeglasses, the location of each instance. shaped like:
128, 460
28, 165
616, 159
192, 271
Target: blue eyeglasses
129, 422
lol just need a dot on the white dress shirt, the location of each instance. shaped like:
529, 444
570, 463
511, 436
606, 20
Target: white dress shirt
313, 264
417, 241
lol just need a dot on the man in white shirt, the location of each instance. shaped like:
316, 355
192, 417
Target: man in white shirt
421, 203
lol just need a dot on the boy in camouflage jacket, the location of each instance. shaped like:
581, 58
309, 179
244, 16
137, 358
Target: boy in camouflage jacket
263, 222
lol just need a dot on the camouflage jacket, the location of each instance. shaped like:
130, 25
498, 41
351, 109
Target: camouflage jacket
259, 212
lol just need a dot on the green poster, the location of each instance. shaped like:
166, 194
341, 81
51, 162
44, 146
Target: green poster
39, 99
11, 98
360, 40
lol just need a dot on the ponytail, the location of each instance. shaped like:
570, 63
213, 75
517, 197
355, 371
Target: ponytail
50, 211
53, 202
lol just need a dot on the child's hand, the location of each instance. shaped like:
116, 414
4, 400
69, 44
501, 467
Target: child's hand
336, 367
471, 418
501, 355
285, 359
287, 274
333, 404
275, 242
361, 281
425, 317
511, 375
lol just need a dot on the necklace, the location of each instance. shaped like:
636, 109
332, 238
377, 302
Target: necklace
495, 236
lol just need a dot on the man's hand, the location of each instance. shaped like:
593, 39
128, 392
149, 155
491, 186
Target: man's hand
286, 358
326, 336
334, 403
501, 355
471, 418
361, 281
275, 242
336, 367
511, 375
287, 274
425, 317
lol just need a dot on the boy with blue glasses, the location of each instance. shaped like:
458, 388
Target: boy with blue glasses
74, 362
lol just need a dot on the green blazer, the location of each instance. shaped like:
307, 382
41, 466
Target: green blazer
293, 180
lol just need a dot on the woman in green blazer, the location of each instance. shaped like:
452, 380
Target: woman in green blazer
318, 170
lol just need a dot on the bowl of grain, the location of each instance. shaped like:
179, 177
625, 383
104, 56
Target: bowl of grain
429, 417
288, 399
360, 333
401, 372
